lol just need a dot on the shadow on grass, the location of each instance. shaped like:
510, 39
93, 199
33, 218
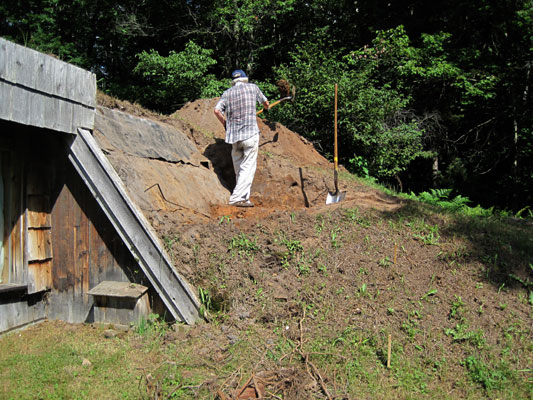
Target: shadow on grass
503, 245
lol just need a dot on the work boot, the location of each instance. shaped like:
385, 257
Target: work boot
242, 203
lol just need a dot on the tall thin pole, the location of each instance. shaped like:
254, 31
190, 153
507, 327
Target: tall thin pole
335, 152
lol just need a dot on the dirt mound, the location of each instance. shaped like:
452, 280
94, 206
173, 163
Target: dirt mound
178, 168
291, 174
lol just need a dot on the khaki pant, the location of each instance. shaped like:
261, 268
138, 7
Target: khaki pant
244, 156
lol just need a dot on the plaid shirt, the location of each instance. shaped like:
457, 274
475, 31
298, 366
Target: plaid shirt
238, 103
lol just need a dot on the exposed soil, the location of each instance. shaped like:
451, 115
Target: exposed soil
319, 277
291, 174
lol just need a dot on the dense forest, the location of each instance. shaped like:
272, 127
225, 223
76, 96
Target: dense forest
431, 94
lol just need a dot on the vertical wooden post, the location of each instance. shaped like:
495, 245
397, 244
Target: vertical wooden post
389, 351
395, 252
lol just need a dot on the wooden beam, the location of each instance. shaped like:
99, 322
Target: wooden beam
39, 90
132, 226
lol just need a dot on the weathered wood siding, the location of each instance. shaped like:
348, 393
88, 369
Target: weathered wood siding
86, 248
61, 242
41, 91
18, 309
14, 226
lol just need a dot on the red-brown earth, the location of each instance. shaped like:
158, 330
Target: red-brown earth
309, 293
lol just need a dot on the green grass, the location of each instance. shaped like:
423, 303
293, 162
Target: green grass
52, 368
461, 357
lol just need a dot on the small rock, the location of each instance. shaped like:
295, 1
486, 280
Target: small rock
111, 333
232, 338
181, 328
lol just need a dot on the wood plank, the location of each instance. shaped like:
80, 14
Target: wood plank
39, 276
133, 228
34, 70
62, 237
36, 110
16, 219
118, 289
12, 287
39, 211
21, 106
81, 249
39, 244
6, 100
6, 47
39, 90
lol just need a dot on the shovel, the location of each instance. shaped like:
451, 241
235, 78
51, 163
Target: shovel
336, 196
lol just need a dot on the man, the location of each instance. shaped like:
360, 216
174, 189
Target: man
236, 112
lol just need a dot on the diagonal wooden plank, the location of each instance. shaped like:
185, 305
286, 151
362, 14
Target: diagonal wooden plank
132, 227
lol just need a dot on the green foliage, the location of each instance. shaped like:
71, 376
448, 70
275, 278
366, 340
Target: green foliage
378, 134
447, 84
152, 325
173, 80
460, 333
490, 379
441, 197
244, 246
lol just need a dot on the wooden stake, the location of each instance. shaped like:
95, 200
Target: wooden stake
389, 351
395, 252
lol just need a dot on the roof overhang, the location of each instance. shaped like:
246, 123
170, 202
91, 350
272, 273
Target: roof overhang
42, 91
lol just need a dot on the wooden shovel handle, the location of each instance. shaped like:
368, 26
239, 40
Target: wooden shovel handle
274, 104
335, 149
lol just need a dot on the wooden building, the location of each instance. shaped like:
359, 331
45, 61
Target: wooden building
72, 244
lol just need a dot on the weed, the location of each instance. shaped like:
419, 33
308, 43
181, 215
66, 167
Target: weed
205, 301
431, 292
225, 219
303, 265
169, 240
363, 291
152, 325
410, 327
385, 262
460, 333
320, 224
292, 217
501, 287
244, 246
352, 214
294, 250
526, 283
428, 234
323, 269
457, 308
490, 379
335, 238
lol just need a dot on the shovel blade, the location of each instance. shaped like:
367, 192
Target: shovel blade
335, 197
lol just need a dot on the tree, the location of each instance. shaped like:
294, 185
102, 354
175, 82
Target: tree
173, 80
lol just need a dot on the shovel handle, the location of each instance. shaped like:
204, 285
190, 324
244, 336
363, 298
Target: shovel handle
274, 104
335, 149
